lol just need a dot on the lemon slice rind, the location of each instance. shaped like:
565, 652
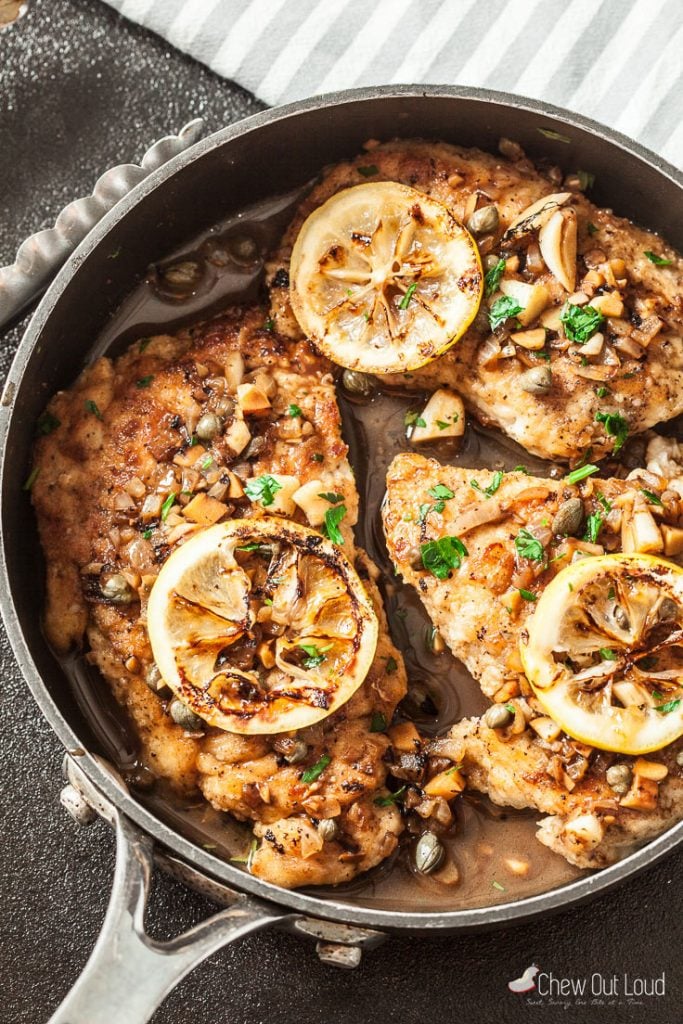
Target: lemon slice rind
202, 603
631, 729
383, 278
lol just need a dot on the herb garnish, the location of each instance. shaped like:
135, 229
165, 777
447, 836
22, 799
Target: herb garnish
594, 524
316, 770
405, 301
167, 506
652, 498
378, 723
392, 666
368, 171
46, 424
527, 595
294, 411
317, 457
262, 489
144, 382
529, 546
581, 473
602, 392
586, 180
496, 481
441, 491
671, 705
492, 277
314, 655
550, 133
392, 798
31, 479
413, 419
659, 261
332, 496
502, 309
92, 407
580, 322
269, 324
205, 463
333, 518
592, 228
616, 426
607, 654
440, 556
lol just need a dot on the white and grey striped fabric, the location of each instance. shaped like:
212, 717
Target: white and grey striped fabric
618, 61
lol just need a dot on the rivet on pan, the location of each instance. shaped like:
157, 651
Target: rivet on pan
77, 806
336, 955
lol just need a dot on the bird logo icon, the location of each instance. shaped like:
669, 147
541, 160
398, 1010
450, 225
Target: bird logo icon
526, 982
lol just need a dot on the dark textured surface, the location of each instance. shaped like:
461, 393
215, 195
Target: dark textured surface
82, 90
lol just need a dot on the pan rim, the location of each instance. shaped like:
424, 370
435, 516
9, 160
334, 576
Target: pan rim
496, 915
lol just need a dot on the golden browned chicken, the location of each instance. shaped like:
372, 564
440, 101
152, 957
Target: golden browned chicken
583, 315
139, 455
517, 532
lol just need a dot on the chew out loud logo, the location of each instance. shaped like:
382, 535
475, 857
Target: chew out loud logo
628, 986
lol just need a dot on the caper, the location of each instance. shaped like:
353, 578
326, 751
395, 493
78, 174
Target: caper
679, 758
619, 778
225, 407
498, 717
429, 853
668, 610
491, 261
255, 447
182, 277
621, 618
243, 248
568, 518
483, 221
359, 383
328, 829
153, 678
536, 381
209, 426
184, 717
117, 589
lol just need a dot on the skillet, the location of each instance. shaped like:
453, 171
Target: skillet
270, 153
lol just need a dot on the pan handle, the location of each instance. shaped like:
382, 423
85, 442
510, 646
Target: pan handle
128, 973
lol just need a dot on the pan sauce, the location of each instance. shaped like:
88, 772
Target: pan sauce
484, 836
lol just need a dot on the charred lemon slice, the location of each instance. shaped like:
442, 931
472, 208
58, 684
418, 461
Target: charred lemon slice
383, 278
604, 652
261, 626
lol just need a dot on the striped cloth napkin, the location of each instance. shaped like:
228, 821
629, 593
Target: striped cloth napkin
618, 61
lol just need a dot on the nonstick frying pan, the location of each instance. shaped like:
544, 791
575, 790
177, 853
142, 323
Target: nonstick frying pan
129, 973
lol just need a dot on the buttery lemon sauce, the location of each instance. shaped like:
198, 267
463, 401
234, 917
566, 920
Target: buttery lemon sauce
489, 847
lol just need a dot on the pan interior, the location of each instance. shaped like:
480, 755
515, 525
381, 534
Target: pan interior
249, 178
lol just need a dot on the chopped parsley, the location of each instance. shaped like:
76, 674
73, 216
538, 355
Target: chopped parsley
205, 463
294, 411
167, 506
602, 392
46, 424
92, 407
413, 419
502, 309
529, 546
144, 382
317, 457
580, 322
262, 489
31, 479
496, 481
333, 518
615, 426
652, 498
441, 491
521, 469
494, 883
146, 534
443, 424
316, 770
581, 473
440, 556
527, 595
586, 180
392, 666
659, 261
550, 133
511, 708
594, 524
314, 655
332, 496
269, 324
607, 505
492, 278
405, 301
607, 654
249, 547
391, 798
592, 228
378, 723
368, 170
671, 705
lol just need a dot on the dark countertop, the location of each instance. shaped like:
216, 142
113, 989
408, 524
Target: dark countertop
82, 90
